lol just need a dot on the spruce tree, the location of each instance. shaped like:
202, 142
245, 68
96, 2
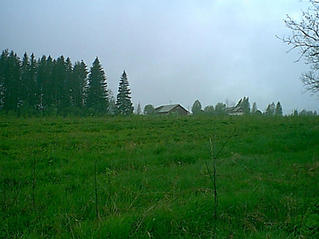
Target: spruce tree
25, 75
270, 111
278, 111
97, 100
12, 96
79, 84
3, 75
41, 78
48, 86
31, 83
68, 100
139, 109
59, 76
123, 99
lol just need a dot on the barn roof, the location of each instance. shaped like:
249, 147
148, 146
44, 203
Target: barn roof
166, 108
236, 109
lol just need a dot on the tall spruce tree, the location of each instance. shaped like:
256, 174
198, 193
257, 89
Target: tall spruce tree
123, 99
12, 97
97, 98
68, 100
48, 86
79, 84
3, 75
41, 79
59, 77
25, 75
31, 83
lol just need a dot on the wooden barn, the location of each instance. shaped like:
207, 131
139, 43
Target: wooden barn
176, 109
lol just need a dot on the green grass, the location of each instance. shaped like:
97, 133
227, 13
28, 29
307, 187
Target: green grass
152, 181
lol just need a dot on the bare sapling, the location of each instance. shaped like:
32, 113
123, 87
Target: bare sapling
214, 154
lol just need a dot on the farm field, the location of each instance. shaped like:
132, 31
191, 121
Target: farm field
146, 177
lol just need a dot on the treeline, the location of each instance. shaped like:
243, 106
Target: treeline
243, 107
48, 86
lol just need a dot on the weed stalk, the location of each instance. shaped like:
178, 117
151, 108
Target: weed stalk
96, 194
33, 182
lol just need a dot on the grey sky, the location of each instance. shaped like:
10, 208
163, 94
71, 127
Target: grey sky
174, 51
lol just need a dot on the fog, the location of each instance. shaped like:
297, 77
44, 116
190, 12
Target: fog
173, 51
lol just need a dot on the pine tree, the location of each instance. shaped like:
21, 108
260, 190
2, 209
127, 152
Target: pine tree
97, 100
278, 110
123, 99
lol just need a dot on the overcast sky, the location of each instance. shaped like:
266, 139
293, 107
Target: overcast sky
174, 51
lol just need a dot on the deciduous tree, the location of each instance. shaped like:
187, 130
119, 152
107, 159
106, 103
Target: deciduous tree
149, 109
197, 107
305, 38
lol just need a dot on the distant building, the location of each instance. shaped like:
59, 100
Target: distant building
176, 109
237, 110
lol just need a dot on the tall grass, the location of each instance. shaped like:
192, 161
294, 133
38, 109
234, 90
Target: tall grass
146, 177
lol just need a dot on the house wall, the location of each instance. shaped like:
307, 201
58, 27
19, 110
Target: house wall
178, 110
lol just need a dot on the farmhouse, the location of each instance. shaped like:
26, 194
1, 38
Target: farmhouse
237, 110
176, 109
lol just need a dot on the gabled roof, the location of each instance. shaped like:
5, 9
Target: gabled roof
165, 108
236, 109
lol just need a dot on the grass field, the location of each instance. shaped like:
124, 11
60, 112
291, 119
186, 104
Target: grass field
152, 181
